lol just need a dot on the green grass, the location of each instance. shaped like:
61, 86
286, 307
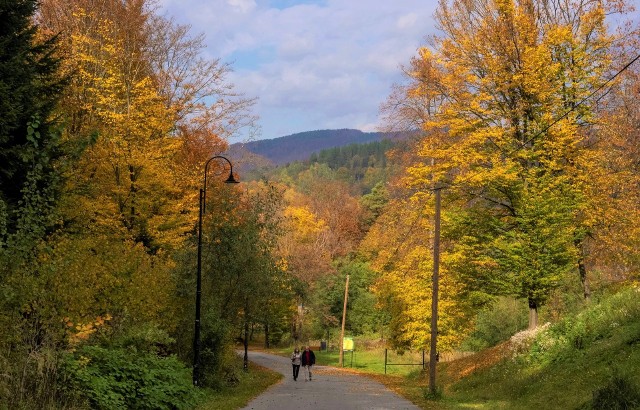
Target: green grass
566, 364
252, 383
366, 361
566, 383
594, 355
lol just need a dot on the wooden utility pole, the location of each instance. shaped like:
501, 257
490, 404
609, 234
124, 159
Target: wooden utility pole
344, 317
434, 296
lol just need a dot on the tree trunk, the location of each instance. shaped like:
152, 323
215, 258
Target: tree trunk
294, 329
582, 270
584, 280
246, 335
297, 323
533, 314
246, 345
266, 335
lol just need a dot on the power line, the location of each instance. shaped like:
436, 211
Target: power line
557, 120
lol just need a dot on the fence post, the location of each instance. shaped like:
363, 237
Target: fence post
422, 359
385, 361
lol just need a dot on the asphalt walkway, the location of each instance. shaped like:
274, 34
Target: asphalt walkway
331, 389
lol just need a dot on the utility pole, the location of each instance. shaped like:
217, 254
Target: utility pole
344, 317
434, 296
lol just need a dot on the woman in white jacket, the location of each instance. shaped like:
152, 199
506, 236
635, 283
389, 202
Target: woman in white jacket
296, 361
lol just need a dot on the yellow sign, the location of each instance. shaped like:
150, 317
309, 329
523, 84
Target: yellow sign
347, 343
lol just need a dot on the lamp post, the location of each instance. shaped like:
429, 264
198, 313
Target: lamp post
202, 201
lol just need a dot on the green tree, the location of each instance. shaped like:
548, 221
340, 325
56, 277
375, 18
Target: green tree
30, 87
374, 203
505, 130
327, 300
244, 281
31, 157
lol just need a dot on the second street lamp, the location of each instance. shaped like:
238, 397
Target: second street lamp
202, 202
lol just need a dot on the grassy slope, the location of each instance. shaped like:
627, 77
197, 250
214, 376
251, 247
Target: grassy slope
560, 370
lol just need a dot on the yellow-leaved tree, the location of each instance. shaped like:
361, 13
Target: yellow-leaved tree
400, 247
144, 111
501, 96
122, 205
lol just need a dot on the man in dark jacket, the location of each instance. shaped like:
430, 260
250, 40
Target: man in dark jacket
308, 360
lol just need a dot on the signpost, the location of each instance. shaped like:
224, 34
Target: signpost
348, 346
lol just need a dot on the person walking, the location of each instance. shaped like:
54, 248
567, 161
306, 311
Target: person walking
308, 360
296, 361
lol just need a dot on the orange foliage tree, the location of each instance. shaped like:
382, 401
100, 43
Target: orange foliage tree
501, 95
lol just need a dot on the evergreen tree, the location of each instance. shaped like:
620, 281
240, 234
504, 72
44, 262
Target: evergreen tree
30, 150
29, 90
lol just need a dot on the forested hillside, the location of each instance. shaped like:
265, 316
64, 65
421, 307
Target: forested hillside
130, 271
298, 147
362, 166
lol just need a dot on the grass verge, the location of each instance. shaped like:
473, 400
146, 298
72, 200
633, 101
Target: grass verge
251, 384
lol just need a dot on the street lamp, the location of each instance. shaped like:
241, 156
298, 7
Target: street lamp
202, 200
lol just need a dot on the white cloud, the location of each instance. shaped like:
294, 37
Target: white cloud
312, 66
407, 21
244, 6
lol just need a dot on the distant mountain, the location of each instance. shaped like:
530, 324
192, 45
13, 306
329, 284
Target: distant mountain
298, 147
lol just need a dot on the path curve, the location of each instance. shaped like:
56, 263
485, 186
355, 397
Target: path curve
330, 389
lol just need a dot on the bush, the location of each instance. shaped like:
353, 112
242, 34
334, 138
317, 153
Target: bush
497, 323
122, 378
618, 394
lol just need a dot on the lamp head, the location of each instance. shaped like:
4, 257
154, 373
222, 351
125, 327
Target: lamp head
231, 179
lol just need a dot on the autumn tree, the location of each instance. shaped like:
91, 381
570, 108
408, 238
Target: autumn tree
201, 107
206, 107
612, 246
506, 131
146, 110
140, 113
400, 248
303, 244
119, 197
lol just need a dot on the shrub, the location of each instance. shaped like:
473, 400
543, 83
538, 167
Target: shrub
619, 394
122, 378
497, 323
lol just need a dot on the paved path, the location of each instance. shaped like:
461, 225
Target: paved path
331, 389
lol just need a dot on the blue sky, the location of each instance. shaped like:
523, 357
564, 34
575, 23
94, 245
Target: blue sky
312, 64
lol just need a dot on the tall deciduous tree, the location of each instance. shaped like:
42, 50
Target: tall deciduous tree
501, 91
612, 246
400, 247
122, 187
244, 280
191, 95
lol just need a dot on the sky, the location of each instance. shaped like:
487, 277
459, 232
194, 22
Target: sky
312, 64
